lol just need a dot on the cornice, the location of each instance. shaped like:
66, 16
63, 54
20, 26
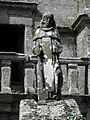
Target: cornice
81, 21
18, 5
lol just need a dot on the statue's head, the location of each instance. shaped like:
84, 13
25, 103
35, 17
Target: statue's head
47, 20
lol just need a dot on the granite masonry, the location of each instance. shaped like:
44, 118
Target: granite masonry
18, 22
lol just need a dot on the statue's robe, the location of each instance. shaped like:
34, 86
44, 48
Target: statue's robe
49, 39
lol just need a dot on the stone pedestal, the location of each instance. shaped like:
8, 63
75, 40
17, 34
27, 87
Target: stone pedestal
29, 78
27, 109
5, 76
73, 79
56, 110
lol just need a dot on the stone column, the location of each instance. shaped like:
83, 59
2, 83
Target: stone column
27, 109
5, 76
29, 78
88, 112
89, 79
73, 79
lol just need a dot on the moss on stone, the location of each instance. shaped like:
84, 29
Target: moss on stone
58, 22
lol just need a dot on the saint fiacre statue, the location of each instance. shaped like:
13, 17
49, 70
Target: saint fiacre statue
48, 48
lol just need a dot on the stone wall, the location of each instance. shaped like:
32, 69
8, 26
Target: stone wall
65, 12
19, 14
82, 52
69, 50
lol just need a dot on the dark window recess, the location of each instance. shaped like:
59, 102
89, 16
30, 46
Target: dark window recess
12, 40
17, 76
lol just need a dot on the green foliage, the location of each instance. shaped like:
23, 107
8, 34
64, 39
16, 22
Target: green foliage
76, 118
48, 117
67, 118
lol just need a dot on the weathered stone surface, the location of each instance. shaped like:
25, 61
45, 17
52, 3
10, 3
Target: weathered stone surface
83, 50
83, 42
73, 8
5, 76
81, 79
42, 94
4, 17
28, 40
69, 50
73, 79
88, 113
5, 107
60, 6
20, 20
65, 86
89, 79
8, 116
29, 78
29, 109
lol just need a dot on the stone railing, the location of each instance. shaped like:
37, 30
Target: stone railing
6, 59
30, 80
74, 74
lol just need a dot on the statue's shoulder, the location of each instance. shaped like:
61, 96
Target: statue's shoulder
37, 34
38, 29
56, 33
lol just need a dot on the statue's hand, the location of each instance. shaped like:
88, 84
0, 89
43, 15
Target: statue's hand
59, 49
36, 50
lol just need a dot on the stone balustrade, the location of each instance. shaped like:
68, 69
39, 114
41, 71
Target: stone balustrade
5, 76
76, 66
30, 72
6, 59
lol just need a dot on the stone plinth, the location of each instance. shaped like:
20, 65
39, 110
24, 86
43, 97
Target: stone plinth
27, 109
9, 105
30, 110
29, 78
73, 79
5, 76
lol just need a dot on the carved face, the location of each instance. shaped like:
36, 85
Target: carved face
47, 21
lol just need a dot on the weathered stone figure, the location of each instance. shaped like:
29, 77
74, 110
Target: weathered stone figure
47, 48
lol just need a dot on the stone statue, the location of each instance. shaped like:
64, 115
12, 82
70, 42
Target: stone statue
47, 48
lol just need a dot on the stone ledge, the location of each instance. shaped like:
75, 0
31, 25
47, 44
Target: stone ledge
8, 98
13, 56
80, 22
19, 5
75, 60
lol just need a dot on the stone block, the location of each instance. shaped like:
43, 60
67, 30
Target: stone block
42, 94
5, 107
20, 20
29, 78
81, 79
6, 90
5, 76
5, 98
29, 109
73, 79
